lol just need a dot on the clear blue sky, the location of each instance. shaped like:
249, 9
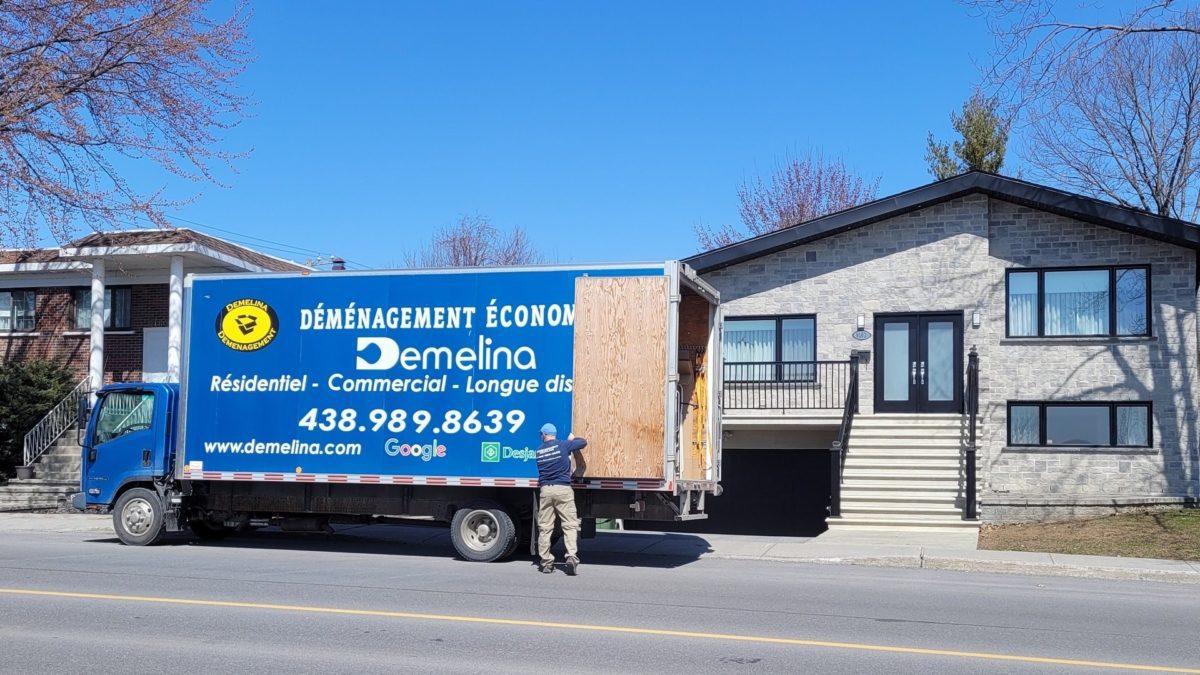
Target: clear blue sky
608, 129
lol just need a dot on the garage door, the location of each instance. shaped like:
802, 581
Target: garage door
766, 492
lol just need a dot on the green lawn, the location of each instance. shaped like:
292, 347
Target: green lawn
1172, 535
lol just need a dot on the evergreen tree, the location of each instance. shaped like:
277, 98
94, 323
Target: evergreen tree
984, 138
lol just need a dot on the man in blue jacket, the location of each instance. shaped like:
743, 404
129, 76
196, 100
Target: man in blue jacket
557, 498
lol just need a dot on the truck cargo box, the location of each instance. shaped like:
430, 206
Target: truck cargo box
444, 377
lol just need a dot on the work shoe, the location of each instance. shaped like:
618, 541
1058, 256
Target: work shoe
572, 566
546, 568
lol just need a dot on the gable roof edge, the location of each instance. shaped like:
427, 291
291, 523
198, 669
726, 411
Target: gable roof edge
1078, 207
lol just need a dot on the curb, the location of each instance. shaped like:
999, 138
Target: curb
987, 566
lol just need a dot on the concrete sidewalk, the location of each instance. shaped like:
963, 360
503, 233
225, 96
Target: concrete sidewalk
955, 550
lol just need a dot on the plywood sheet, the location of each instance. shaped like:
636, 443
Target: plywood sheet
620, 374
696, 442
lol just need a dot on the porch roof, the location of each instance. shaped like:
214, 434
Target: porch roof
139, 250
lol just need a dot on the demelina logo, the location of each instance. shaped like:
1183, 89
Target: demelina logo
394, 447
247, 325
492, 451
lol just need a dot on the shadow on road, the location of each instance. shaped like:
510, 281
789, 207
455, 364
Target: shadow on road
615, 549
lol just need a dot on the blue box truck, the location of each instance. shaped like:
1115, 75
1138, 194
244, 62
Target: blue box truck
316, 398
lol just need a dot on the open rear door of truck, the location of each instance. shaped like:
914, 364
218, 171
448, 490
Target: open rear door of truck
621, 385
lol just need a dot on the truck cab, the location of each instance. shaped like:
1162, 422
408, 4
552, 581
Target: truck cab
129, 441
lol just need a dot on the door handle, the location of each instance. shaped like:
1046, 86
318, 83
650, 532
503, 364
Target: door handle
922, 373
914, 372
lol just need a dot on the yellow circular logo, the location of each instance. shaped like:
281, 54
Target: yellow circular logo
247, 325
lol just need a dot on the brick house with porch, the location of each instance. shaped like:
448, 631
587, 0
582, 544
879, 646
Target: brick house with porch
871, 353
109, 306
47, 309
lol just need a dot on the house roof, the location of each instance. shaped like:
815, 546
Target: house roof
35, 255
134, 239
1087, 209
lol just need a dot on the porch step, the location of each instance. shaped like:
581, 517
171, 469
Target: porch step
891, 483
928, 459
57, 476
900, 434
900, 508
35, 494
899, 496
38, 485
908, 419
59, 464
907, 471
896, 521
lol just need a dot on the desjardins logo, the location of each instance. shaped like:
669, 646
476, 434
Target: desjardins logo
247, 325
489, 451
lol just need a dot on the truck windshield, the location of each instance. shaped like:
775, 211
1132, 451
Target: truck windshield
123, 412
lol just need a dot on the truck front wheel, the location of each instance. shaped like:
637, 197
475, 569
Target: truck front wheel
483, 532
138, 517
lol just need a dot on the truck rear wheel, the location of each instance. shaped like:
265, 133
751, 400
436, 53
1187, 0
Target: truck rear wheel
138, 517
482, 532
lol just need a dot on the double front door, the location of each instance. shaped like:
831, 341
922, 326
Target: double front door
918, 365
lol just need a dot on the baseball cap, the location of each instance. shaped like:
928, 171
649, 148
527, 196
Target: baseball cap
549, 429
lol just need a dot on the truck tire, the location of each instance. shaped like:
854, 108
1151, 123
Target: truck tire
209, 531
138, 517
482, 532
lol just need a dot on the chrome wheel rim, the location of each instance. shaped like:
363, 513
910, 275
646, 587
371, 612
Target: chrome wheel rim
137, 516
480, 530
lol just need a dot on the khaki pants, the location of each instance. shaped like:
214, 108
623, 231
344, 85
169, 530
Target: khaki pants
557, 500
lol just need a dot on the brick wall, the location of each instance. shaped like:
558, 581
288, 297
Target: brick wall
952, 257
57, 338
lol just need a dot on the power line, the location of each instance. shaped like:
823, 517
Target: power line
260, 242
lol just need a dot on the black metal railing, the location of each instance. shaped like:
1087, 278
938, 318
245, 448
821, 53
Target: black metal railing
972, 399
786, 385
837, 451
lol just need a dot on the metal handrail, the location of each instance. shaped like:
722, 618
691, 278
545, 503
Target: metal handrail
837, 451
61, 417
785, 385
972, 400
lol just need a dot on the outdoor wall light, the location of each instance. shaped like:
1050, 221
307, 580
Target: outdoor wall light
976, 318
862, 322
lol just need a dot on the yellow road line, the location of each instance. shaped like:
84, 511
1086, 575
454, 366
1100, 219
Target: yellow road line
600, 628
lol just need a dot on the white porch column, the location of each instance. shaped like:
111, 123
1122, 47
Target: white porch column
96, 355
175, 320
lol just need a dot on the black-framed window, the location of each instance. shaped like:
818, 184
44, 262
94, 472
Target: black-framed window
18, 311
1078, 301
775, 348
1098, 424
117, 303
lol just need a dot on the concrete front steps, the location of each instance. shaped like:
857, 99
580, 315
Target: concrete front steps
903, 472
55, 476
35, 495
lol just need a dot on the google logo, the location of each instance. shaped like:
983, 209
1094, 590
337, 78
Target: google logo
394, 447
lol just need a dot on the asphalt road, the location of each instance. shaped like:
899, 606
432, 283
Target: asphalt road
359, 602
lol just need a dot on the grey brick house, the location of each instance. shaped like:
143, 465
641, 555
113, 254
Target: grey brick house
1068, 324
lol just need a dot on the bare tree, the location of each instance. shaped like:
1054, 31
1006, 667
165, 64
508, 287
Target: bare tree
475, 242
87, 84
1035, 46
798, 191
1127, 128
1109, 102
